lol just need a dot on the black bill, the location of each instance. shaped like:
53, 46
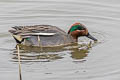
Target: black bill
91, 37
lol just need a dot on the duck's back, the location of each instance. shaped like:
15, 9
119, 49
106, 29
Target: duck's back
41, 35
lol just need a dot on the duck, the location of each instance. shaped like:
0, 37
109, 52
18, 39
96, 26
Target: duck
48, 35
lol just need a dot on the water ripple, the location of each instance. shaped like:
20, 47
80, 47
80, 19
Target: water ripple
99, 62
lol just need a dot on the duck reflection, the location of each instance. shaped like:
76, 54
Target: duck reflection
36, 57
79, 54
36, 54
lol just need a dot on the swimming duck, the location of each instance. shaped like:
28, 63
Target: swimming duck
47, 35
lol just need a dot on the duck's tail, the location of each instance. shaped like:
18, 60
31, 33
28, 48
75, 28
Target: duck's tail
17, 38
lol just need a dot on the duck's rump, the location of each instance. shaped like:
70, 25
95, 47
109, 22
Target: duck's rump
40, 35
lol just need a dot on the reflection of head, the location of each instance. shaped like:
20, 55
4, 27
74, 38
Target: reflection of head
79, 54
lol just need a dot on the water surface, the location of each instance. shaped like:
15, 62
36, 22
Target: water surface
101, 62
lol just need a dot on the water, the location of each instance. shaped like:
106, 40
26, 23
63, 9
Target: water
101, 62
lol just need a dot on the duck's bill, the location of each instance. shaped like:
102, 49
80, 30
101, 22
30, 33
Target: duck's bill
91, 37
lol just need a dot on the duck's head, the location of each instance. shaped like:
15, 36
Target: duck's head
77, 30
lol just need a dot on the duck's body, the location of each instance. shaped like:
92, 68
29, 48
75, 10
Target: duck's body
47, 35
41, 35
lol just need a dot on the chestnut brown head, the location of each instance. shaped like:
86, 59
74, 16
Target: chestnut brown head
78, 30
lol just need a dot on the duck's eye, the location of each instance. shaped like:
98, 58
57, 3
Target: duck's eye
81, 28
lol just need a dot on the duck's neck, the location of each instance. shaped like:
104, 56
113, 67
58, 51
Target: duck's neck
74, 36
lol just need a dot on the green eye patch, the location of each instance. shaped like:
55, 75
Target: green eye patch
77, 27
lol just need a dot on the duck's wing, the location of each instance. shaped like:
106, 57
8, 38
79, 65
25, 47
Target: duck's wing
36, 30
